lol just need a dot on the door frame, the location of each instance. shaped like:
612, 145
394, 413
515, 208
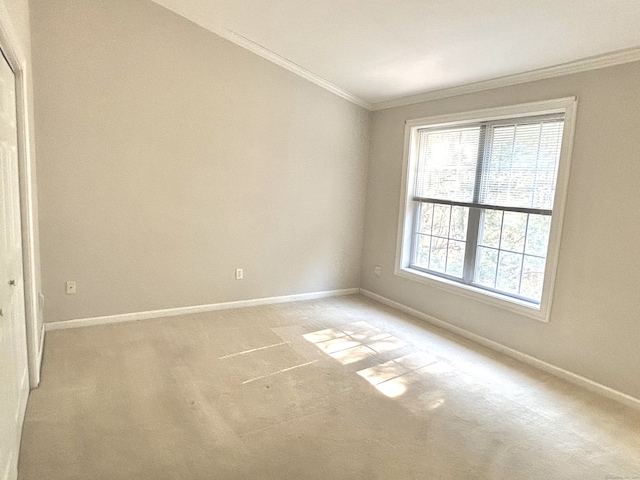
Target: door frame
18, 62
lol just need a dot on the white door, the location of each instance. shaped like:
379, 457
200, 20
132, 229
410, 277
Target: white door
13, 342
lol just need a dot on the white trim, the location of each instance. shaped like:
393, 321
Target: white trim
11, 470
559, 203
567, 106
17, 60
543, 107
172, 312
34, 378
273, 57
22, 405
22, 409
485, 296
591, 63
574, 378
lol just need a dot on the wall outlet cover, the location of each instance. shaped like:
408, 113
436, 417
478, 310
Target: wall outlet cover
71, 288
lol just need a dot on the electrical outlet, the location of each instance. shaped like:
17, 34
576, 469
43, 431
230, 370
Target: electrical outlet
239, 273
377, 270
71, 288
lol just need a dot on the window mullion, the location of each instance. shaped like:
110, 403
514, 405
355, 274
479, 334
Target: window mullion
417, 211
472, 245
473, 227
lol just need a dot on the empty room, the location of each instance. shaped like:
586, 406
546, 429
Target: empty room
287, 239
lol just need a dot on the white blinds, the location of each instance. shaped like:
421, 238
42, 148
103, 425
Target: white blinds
522, 165
447, 162
518, 163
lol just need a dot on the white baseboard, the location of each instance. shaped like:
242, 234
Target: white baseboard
172, 312
574, 378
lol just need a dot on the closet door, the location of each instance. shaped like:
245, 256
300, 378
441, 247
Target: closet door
13, 343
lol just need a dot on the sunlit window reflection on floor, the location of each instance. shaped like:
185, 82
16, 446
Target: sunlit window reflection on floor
360, 327
378, 336
352, 355
360, 340
390, 378
393, 388
323, 335
382, 372
337, 344
357, 334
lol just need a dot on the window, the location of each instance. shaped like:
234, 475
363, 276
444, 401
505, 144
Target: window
482, 202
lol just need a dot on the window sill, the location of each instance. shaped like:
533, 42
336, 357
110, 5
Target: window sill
469, 291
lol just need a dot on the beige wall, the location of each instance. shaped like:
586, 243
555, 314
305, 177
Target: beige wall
19, 16
17, 12
595, 319
168, 157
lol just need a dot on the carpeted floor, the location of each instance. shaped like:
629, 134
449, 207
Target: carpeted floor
341, 388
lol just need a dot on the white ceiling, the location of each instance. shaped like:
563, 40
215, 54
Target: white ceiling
380, 50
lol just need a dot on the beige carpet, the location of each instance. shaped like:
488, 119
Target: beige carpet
341, 388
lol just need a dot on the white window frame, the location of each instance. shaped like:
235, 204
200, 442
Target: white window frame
566, 106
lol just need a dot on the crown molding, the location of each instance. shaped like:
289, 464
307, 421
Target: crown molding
289, 65
591, 63
273, 57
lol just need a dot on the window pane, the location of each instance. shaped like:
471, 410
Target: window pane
438, 254
423, 244
514, 227
441, 220
447, 160
509, 268
455, 259
486, 268
538, 235
490, 228
459, 220
426, 218
441, 239
505, 264
522, 167
532, 277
